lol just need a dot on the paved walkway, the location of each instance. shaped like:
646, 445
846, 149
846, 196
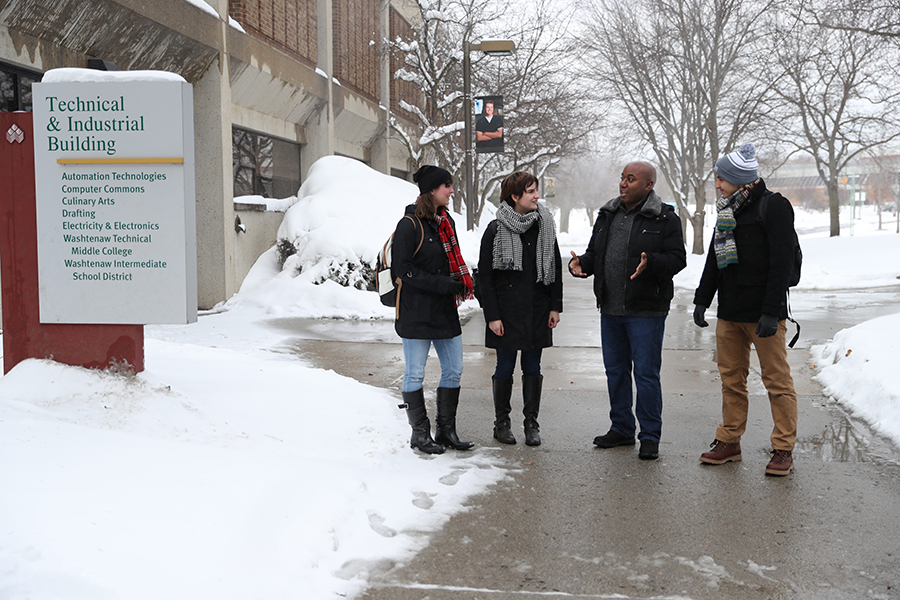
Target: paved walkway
573, 521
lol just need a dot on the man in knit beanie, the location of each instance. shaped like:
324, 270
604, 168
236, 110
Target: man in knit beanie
749, 265
738, 167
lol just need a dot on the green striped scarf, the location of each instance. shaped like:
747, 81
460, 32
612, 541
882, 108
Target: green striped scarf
723, 241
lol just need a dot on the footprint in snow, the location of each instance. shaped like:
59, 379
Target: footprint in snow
423, 500
376, 522
451, 479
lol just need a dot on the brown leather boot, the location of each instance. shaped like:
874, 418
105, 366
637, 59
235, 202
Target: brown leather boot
721, 453
781, 464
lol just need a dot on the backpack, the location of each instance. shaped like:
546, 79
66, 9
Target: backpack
796, 252
796, 264
386, 285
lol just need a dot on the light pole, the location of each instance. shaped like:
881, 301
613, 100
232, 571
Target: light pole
491, 48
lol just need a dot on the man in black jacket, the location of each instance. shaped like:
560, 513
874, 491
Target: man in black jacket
749, 265
636, 249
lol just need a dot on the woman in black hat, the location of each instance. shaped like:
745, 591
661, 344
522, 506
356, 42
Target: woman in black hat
434, 280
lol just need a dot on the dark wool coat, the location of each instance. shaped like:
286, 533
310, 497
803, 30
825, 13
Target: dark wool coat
515, 297
757, 284
427, 307
656, 230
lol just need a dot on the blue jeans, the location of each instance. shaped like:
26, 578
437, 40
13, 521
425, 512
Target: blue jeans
633, 342
506, 363
415, 353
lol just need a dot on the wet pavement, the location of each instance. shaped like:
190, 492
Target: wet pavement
574, 521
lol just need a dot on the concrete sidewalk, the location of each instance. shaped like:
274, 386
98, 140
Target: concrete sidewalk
572, 520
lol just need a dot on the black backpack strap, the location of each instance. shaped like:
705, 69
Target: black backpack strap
791, 319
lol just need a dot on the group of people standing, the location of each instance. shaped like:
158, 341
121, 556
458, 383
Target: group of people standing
636, 249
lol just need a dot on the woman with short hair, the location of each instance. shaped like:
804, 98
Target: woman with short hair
520, 290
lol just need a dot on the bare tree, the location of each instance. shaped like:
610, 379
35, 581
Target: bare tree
885, 183
584, 183
872, 17
840, 89
547, 112
542, 100
679, 75
433, 61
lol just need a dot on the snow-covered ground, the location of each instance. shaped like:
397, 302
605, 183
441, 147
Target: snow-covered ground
229, 469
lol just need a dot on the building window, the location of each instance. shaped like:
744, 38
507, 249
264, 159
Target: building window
15, 88
263, 165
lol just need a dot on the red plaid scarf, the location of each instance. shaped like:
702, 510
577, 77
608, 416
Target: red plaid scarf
458, 268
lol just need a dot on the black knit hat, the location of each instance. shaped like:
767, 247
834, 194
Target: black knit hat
430, 177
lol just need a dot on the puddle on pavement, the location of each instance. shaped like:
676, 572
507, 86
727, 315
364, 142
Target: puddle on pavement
846, 439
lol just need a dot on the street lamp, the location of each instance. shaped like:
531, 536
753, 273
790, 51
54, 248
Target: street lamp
491, 48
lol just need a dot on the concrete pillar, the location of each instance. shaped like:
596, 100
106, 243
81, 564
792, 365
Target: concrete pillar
215, 193
381, 149
320, 131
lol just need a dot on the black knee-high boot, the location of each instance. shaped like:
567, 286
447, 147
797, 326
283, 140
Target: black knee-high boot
445, 422
421, 426
531, 393
502, 394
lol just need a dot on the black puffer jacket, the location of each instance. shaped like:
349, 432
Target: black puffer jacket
656, 230
427, 307
758, 283
515, 297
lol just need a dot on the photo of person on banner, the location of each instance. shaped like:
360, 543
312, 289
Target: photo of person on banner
489, 126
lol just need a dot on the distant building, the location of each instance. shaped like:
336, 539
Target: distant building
871, 180
277, 85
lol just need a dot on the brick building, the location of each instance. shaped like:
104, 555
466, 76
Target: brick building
277, 85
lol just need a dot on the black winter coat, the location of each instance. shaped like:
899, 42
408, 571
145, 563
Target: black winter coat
427, 306
515, 297
758, 283
656, 230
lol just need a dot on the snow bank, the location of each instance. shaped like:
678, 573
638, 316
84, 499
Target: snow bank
214, 474
858, 368
344, 213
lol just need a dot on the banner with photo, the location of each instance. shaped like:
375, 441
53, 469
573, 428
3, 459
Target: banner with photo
488, 124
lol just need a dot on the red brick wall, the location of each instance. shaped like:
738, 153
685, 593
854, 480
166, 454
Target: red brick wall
357, 63
401, 90
289, 25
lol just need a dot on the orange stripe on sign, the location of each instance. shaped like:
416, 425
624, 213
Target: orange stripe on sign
118, 161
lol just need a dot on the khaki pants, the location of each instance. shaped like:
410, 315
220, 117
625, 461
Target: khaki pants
733, 354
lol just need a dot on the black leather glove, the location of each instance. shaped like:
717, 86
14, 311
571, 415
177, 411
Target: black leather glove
457, 287
698, 316
767, 326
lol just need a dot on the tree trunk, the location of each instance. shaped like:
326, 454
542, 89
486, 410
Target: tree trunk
697, 225
834, 205
878, 208
564, 220
698, 218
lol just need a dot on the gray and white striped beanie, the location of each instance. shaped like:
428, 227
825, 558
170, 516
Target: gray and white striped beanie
738, 167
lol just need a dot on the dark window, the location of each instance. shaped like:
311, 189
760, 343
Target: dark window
15, 88
263, 165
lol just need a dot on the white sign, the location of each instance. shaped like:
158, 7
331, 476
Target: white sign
114, 164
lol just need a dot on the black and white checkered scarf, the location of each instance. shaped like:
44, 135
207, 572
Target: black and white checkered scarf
508, 244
